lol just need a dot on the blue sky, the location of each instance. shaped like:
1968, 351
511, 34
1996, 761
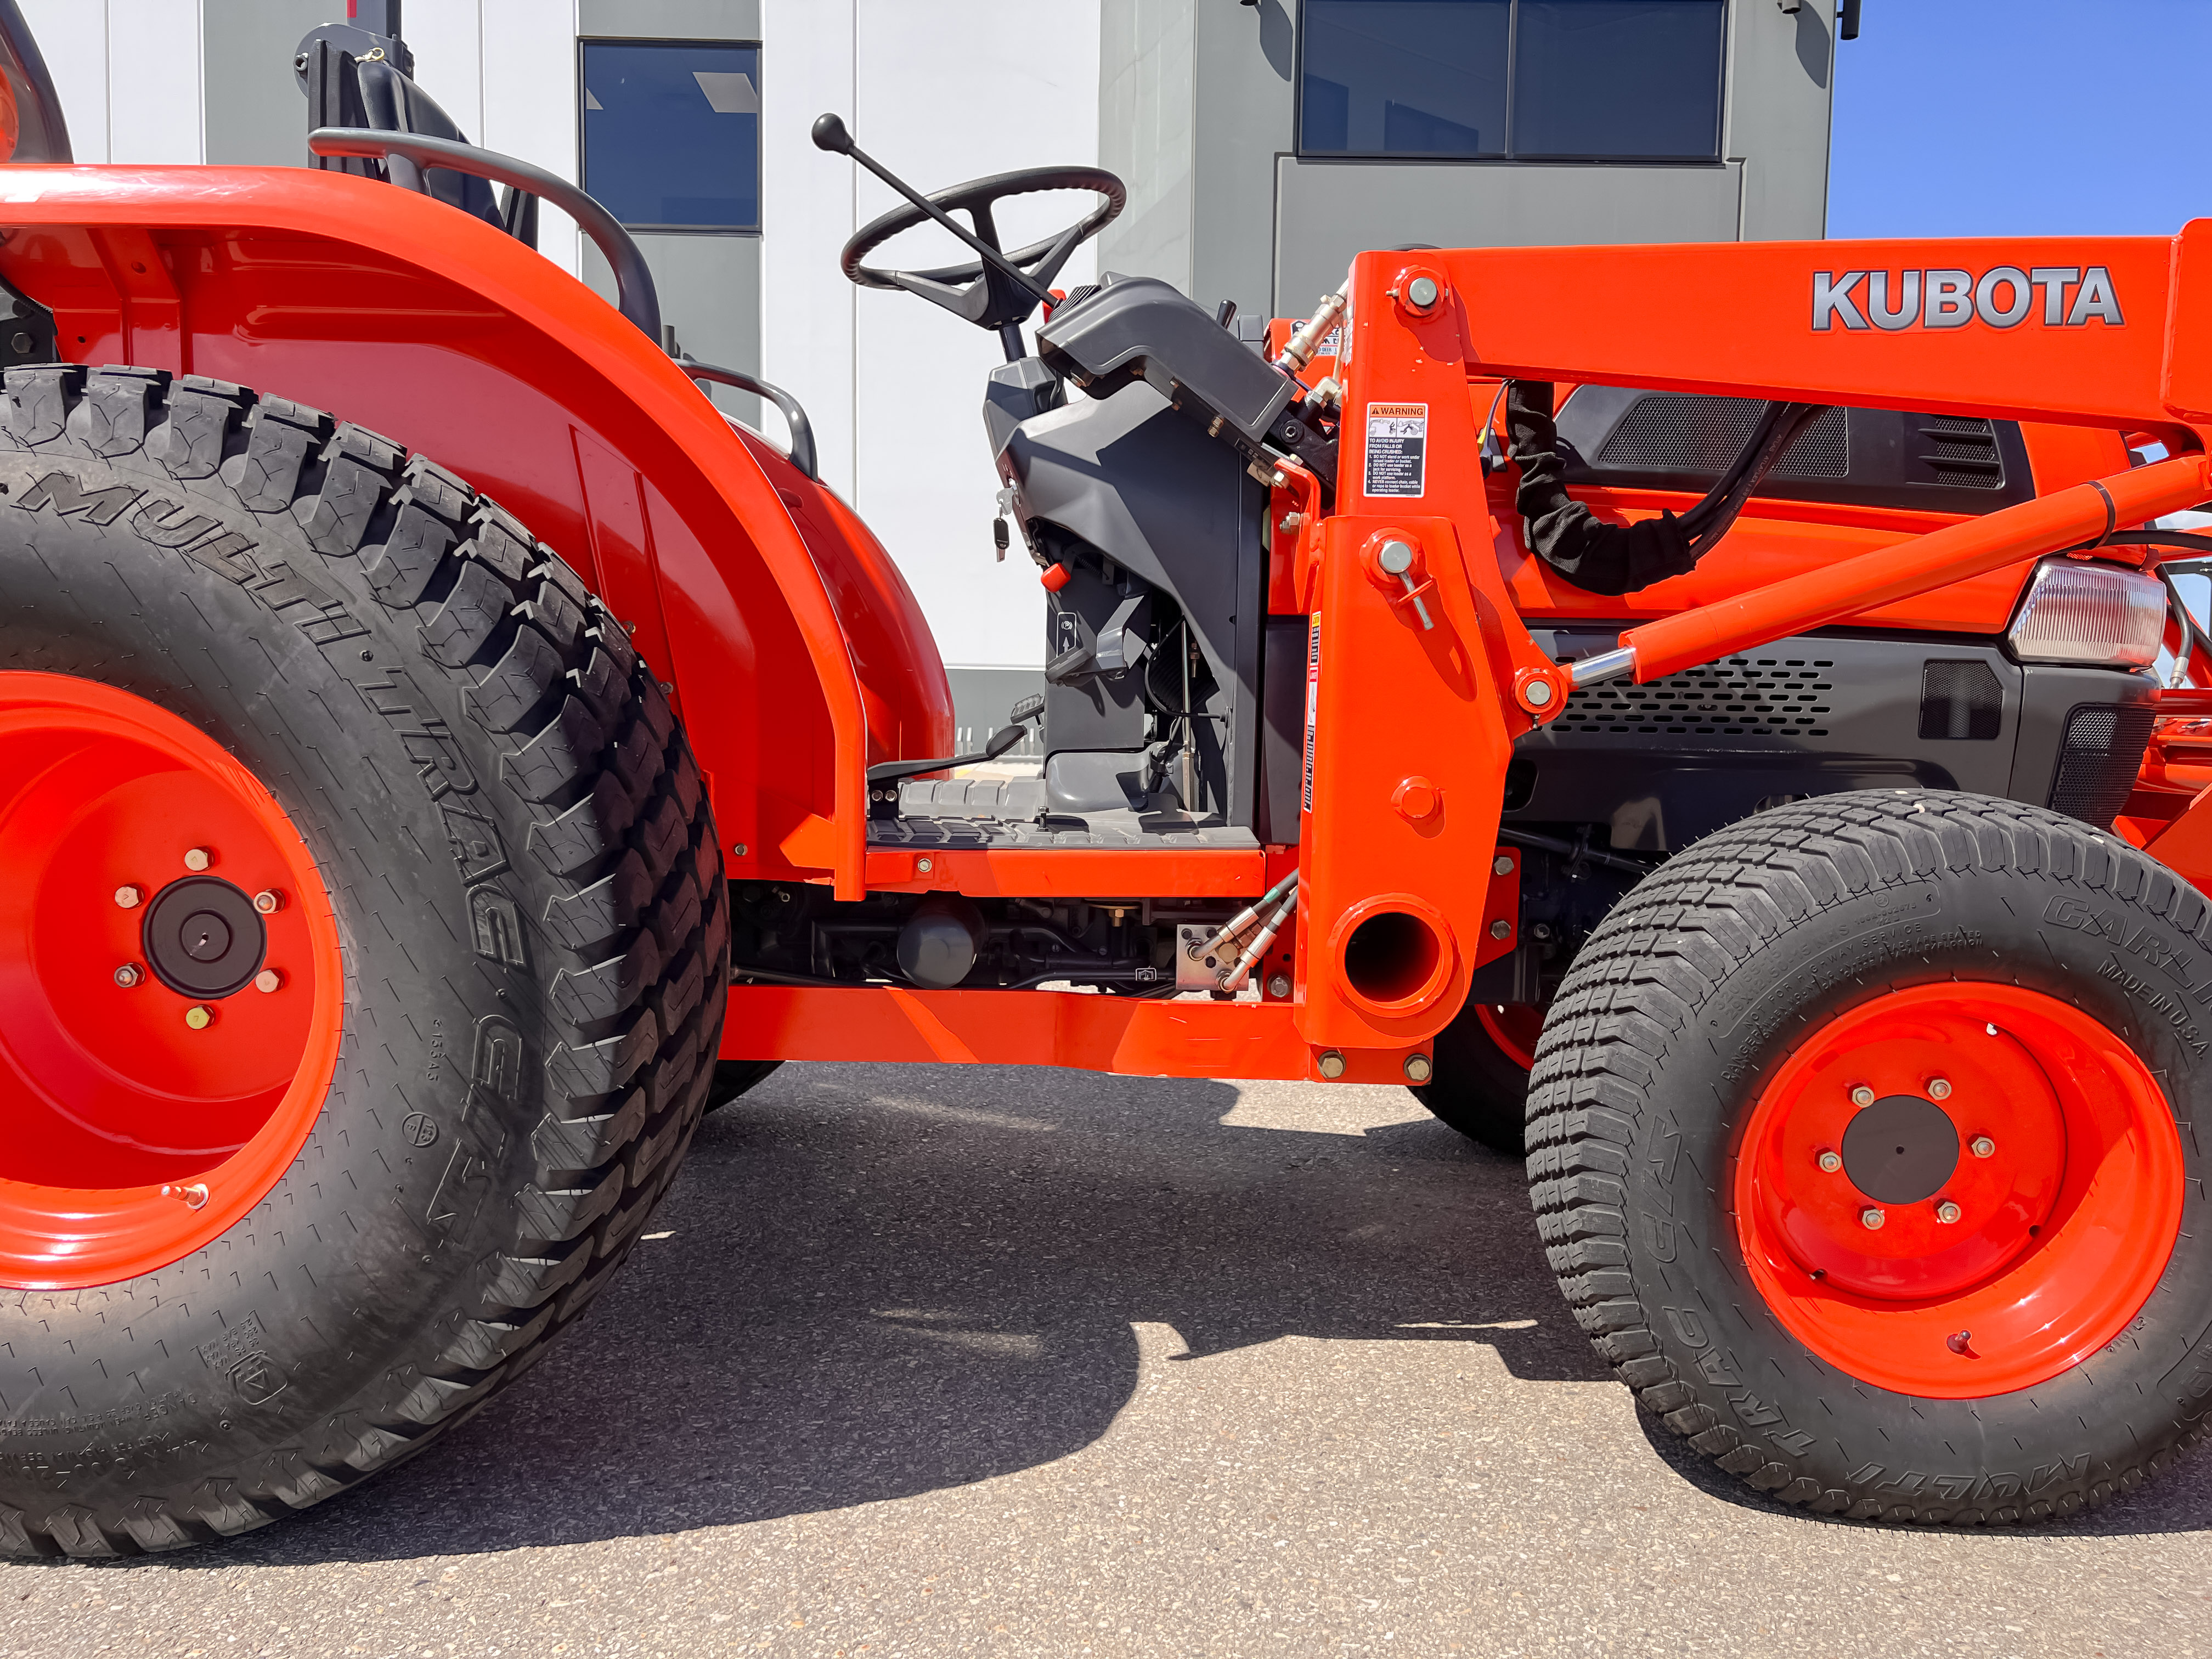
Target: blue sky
1983, 117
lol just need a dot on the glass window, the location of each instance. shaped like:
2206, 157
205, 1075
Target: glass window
1603, 80
1627, 78
672, 133
1404, 77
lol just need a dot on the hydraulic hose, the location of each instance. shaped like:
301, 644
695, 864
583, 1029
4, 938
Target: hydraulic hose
1612, 559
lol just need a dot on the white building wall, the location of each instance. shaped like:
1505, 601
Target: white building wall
127, 73
1015, 84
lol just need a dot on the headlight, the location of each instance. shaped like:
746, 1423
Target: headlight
2090, 613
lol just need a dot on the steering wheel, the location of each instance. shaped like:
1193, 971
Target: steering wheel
978, 292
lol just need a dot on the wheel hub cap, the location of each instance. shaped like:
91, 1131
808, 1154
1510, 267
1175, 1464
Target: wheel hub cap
1900, 1150
203, 938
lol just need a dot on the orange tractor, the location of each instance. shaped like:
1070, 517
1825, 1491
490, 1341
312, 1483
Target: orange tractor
1716, 714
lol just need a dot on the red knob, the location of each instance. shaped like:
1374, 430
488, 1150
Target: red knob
1055, 577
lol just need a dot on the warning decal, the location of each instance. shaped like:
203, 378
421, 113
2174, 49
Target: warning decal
1313, 702
1397, 441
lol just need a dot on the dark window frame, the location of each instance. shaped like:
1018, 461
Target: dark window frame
760, 148
1507, 157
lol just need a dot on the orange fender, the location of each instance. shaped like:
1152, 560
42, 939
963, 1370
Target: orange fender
797, 652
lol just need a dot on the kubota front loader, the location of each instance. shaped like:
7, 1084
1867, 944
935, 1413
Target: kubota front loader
1681, 708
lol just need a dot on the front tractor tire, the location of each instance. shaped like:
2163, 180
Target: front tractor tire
1860, 1141
363, 939
1481, 1084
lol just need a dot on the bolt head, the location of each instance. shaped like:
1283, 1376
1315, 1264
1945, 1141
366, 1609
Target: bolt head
1501, 928
738, 848
1422, 292
1416, 799
1502, 867
1538, 694
129, 897
1332, 1065
1872, 1218
197, 859
1861, 1096
1418, 1068
1279, 987
1831, 1161
1947, 1212
267, 980
1939, 1089
923, 866
1396, 558
268, 901
198, 1018
1982, 1146
129, 974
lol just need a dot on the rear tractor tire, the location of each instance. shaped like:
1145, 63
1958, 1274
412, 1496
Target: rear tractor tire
1859, 1142
363, 940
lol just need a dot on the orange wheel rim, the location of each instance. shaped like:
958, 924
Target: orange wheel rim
1513, 1027
1959, 1190
162, 1062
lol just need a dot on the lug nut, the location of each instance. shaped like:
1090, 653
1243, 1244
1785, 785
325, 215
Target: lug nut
1279, 987
269, 902
267, 981
1947, 1212
1872, 1218
198, 1018
195, 1193
1861, 1096
1418, 1069
129, 897
197, 859
1501, 928
1938, 1089
1982, 1146
129, 974
1332, 1065
1831, 1162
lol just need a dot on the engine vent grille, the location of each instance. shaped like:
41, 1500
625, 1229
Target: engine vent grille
2097, 767
1961, 452
1675, 431
1959, 700
1741, 696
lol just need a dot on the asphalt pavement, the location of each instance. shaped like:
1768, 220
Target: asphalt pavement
948, 1361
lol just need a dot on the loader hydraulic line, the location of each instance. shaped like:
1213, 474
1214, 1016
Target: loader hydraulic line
2080, 517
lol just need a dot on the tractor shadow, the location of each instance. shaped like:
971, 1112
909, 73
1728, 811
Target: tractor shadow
877, 1282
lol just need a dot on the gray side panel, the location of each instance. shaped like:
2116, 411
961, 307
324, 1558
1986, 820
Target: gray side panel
1282, 730
1147, 66
1328, 210
710, 291
670, 19
256, 116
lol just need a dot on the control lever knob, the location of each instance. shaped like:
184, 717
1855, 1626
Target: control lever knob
829, 134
